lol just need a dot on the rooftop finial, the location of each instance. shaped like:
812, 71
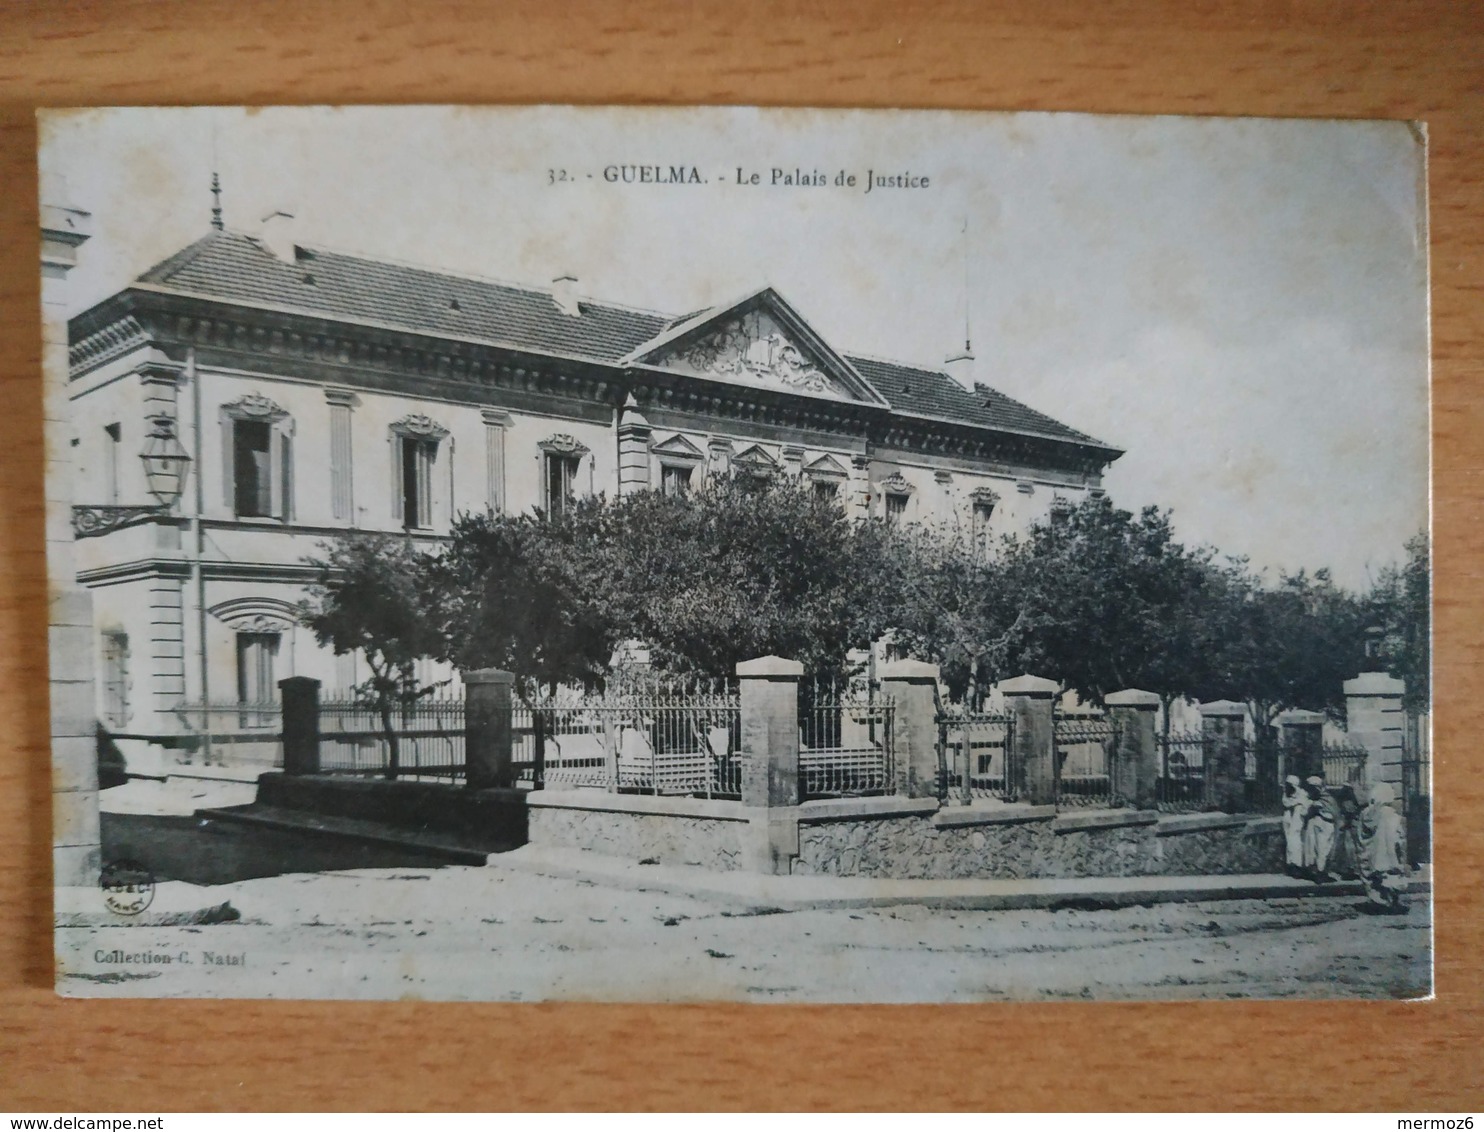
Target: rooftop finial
968, 338
960, 366
216, 201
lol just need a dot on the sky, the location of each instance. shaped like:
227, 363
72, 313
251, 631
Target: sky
1239, 304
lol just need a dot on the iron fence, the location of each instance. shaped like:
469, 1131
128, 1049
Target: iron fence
422, 738
679, 741
1182, 784
1344, 764
845, 741
977, 757
1416, 784
1086, 760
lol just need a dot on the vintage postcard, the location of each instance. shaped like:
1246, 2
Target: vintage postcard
734, 554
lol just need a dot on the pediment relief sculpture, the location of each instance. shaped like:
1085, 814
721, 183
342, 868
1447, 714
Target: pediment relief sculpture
754, 347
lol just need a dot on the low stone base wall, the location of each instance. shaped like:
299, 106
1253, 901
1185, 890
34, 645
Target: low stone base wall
667, 831
495, 817
903, 838
1012, 842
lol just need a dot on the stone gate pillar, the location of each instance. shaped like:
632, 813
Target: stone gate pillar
487, 728
770, 761
1224, 729
299, 696
1032, 754
1137, 769
1375, 721
912, 686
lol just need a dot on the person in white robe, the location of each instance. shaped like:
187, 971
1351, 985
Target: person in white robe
1295, 805
1383, 843
1319, 828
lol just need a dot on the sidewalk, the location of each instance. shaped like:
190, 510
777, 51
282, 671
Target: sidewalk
798, 893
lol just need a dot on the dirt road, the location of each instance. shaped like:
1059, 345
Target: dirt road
488, 933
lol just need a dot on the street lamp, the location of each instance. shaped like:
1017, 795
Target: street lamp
165, 462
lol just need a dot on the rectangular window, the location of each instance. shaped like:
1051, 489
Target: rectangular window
896, 507
674, 479
252, 468
256, 656
826, 489
116, 679
983, 513
417, 481
561, 482
112, 441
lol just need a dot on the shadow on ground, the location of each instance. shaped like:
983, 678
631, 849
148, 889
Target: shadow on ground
197, 851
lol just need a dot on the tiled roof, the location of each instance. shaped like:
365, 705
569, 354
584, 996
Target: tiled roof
932, 393
236, 268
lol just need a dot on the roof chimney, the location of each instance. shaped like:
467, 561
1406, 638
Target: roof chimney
960, 367
278, 235
564, 294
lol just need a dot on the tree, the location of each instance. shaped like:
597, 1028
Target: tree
1295, 645
1112, 601
371, 595
1401, 605
737, 569
947, 603
519, 592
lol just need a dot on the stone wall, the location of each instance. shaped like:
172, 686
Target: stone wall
914, 847
709, 835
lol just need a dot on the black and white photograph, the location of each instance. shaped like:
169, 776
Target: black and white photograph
729, 554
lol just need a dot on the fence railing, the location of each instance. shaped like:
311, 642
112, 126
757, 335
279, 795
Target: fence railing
1187, 763
426, 738
1086, 760
680, 742
1182, 784
1344, 764
979, 745
846, 745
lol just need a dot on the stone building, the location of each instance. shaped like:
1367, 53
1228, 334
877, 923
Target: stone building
290, 394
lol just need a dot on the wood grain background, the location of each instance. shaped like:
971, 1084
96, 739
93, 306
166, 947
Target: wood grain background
1403, 60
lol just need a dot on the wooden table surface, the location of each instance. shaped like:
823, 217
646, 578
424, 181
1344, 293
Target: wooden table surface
1418, 61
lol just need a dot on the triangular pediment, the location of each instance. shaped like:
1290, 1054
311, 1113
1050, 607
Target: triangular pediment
679, 447
760, 340
825, 466
755, 456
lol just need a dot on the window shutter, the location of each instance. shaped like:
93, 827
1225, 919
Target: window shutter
286, 476
394, 444
425, 451
274, 477
229, 471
